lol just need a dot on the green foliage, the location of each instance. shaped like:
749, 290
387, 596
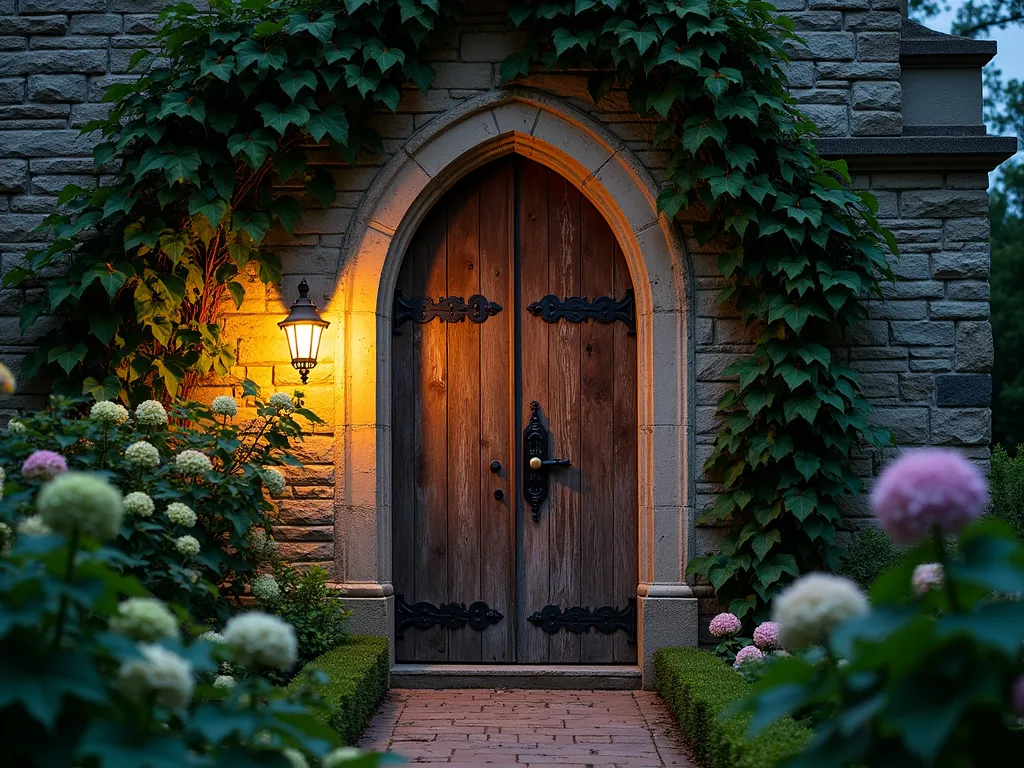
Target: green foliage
60, 701
212, 148
701, 690
872, 553
801, 249
200, 187
307, 603
229, 501
928, 680
1007, 484
358, 671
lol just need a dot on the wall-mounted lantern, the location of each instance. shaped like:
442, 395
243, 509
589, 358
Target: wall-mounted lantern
303, 327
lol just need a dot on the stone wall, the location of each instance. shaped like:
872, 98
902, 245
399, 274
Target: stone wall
924, 353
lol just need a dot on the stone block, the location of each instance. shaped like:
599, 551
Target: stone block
930, 366
928, 333
877, 94
57, 88
943, 203
967, 229
916, 387
800, 74
13, 43
52, 62
96, 24
959, 310
824, 46
963, 389
61, 6
52, 185
876, 123
13, 175
878, 386
44, 144
490, 46
34, 25
12, 90
138, 6
878, 46
968, 290
833, 70
897, 310
948, 264
908, 424
975, 350
872, 21
456, 74
831, 120
839, 5
912, 266
914, 289
961, 426
818, 21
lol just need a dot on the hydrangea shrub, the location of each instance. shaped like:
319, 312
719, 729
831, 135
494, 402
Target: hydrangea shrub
196, 483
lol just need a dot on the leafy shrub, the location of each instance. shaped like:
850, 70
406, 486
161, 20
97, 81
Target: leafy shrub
872, 553
78, 686
218, 469
928, 676
304, 600
359, 678
1007, 483
700, 690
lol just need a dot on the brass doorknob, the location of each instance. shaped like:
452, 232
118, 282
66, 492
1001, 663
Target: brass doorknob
536, 463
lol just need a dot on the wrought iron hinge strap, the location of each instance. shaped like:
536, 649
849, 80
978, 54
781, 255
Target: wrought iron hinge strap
607, 619
448, 309
603, 309
424, 615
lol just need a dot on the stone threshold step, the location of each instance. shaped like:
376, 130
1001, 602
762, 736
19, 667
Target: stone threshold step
566, 677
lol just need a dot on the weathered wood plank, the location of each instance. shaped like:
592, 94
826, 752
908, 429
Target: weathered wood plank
533, 564
497, 441
626, 469
597, 453
563, 410
464, 543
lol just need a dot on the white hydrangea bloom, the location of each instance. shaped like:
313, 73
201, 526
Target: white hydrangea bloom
34, 526
138, 504
15, 427
261, 639
340, 755
295, 758
151, 413
78, 500
108, 412
265, 588
144, 618
224, 681
813, 606
264, 547
274, 481
282, 401
224, 405
192, 463
142, 454
181, 514
160, 672
212, 636
187, 545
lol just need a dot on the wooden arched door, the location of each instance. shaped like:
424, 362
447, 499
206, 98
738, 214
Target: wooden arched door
514, 347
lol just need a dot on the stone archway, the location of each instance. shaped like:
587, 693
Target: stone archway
557, 136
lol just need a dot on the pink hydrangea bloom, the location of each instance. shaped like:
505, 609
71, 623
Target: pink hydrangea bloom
44, 465
927, 576
750, 653
928, 488
725, 625
766, 636
1018, 696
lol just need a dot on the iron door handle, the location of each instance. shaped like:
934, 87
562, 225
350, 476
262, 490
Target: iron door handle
536, 464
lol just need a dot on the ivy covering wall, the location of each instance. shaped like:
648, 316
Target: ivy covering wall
213, 146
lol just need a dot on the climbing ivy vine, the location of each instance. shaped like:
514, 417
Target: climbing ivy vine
215, 147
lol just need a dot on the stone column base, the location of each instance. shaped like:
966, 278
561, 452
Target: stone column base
665, 622
372, 616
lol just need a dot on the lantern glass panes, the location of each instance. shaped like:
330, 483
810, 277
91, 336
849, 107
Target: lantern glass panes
304, 328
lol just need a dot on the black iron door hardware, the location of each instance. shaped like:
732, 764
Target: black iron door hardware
495, 466
448, 309
607, 619
536, 463
424, 615
603, 309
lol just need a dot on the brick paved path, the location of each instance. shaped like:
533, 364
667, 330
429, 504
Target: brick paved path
538, 728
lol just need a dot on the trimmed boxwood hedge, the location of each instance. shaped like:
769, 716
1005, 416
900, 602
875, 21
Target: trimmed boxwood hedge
358, 670
698, 688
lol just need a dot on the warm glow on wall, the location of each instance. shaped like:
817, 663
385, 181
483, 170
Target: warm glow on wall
303, 327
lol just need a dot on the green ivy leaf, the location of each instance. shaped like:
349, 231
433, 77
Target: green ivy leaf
279, 119
762, 543
385, 58
806, 464
209, 205
287, 210
805, 407
688, 56
356, 78
292, 81
254, 146
265, 57
67, 358
321, 27
699, 129
220, 66
108, 389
